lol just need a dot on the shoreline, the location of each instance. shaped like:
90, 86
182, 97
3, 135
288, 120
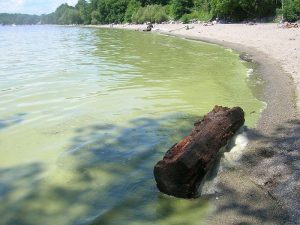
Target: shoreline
272, 154
278, 44
278, 93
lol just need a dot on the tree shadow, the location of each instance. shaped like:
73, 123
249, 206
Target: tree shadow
271, 167
106, 177
16, 184
12, 120
122, 157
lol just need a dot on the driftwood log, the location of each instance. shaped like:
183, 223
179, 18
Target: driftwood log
186, 163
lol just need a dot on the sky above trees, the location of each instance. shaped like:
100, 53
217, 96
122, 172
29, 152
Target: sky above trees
32, 6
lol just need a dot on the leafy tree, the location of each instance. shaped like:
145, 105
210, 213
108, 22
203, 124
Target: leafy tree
61, 10
94, 4
154, 2
84, 9
202, 5
291, 9
66, 14
70, 16
119, 11
244, 9
112, 11
180, 7
259, 8
95, 17
132, 8
48, 18
150, 13
226, 9
19, 19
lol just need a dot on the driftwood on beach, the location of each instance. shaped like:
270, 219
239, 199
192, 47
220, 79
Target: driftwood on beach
186, 163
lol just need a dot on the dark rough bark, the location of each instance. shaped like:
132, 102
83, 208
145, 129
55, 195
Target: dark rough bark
186, 163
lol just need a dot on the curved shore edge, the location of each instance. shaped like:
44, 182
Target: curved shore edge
271, 158
264, 187
268, 162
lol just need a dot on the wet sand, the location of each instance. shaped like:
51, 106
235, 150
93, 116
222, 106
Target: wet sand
263, 186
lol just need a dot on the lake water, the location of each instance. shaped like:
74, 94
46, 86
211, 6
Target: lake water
86, 113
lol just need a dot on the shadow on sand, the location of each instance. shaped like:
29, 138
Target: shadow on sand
267, 177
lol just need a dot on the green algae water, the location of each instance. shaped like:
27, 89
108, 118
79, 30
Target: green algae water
86, 113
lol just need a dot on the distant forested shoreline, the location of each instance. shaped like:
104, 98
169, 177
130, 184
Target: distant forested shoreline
157, 11
19, 19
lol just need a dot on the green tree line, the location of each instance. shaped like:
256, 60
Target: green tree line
18, 19
140, 11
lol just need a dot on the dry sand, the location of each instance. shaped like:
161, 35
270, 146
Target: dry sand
264, 186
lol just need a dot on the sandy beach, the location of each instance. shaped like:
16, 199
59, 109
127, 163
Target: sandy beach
263, 186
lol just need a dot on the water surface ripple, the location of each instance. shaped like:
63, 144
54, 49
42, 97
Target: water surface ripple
86, 113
